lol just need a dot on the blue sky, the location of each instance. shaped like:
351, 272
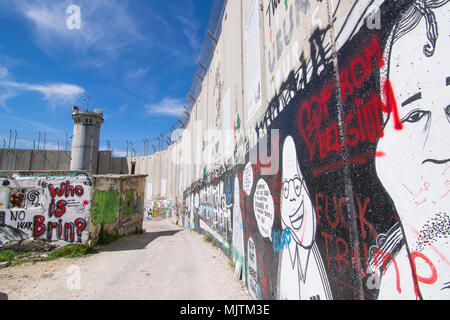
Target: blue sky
135, 59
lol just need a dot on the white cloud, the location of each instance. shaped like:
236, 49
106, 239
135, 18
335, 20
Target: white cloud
54, 93
190, 30
138, 73
45, 17
122, 154
107, 26
6, 94
3, 72
34, 124
9, 62
57, 92
190, 25
168, 106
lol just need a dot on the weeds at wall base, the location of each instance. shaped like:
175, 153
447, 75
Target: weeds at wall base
232, 264
105, 238
69, 251
7, 256
208, 238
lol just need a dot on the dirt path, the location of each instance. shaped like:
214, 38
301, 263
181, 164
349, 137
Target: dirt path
164, 263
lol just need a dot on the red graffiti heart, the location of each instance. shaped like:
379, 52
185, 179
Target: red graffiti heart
310, 125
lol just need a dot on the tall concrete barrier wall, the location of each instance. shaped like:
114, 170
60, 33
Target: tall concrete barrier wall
56, 160
20, 159
332, 180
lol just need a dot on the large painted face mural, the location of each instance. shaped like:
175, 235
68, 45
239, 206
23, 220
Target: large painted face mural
358, 208
416, 165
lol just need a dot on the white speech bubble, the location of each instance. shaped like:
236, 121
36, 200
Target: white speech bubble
197, 201
263, 208
252, 269
248, 179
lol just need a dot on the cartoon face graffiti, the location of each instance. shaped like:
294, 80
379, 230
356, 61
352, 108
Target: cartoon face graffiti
415, 170
296, 207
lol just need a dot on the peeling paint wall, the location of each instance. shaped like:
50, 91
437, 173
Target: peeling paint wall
117, 204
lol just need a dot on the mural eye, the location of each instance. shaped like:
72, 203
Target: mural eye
286, 189
415, 116
297, 186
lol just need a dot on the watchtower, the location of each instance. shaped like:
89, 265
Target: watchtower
86, 139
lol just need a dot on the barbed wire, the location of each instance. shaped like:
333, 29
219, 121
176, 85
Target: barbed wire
42, 140
210, 39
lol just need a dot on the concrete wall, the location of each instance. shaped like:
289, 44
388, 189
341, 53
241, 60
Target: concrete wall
350, 199
70, 207
53, 160
117, 204
45, 208
34, 159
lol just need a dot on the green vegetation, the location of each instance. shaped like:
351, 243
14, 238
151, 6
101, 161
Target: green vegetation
7, 255
209, 239
69, 251
105, 238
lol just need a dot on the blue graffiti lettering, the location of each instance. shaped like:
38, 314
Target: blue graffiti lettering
281, 240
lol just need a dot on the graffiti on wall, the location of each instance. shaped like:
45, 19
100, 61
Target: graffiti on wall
45, 208
129, 205
104, 206
358, 208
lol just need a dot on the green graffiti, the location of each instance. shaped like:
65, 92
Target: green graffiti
128, 203
104, 206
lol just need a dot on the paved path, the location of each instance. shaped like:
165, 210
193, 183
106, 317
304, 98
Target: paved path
164, 263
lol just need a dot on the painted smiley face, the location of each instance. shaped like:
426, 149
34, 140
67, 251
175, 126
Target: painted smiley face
297, 212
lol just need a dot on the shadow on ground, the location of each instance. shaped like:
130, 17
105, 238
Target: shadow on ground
137, 242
